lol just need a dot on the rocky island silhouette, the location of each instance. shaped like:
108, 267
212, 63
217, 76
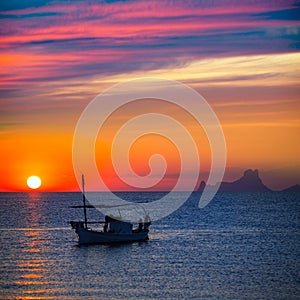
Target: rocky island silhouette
249, 182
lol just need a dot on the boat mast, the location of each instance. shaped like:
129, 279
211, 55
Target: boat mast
84, 201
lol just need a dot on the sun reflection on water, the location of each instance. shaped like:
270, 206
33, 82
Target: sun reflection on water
32, 265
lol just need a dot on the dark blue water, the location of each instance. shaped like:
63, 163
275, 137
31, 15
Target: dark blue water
241, 246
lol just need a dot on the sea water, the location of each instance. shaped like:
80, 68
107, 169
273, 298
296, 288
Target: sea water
240, 246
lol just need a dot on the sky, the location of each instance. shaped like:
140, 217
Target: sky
56, 56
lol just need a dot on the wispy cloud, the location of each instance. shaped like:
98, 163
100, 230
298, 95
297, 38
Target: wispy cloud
41, 43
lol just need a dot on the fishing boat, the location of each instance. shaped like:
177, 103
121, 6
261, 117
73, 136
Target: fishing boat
114, 228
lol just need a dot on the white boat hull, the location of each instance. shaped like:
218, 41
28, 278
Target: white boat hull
88, 236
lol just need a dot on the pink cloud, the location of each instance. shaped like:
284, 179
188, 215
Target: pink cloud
67, 40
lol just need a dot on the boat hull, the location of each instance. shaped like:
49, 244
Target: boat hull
88, 236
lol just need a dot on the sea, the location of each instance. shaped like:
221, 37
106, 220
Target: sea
240, 246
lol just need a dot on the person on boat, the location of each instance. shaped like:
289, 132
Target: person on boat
147, 222
105, 227
140, 224
108, 220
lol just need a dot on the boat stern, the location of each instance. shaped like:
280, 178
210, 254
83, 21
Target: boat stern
77, 225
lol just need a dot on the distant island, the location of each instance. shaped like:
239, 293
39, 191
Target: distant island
294, 188
249, 182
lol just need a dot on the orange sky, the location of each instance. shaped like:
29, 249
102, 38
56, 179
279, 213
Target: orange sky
243, 59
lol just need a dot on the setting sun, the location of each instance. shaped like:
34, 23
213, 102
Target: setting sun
34, 182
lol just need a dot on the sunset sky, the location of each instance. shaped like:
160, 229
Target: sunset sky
241, 56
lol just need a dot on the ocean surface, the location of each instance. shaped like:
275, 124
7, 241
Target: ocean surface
240, 246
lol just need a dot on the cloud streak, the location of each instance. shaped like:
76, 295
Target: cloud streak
61, 41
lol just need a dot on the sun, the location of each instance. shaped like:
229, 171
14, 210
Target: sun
34, 182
